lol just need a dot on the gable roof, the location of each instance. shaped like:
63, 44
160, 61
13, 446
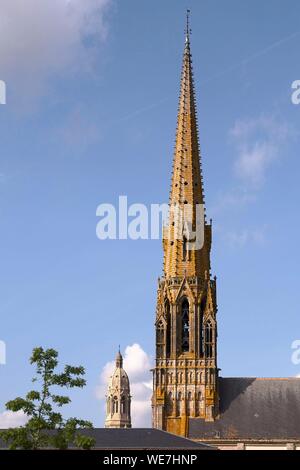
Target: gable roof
253, 408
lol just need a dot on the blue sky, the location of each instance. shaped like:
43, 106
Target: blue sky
92, 96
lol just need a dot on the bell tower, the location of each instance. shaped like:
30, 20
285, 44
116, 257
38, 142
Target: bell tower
185, 377
118, 398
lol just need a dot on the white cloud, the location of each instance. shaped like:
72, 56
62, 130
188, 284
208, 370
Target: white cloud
234, 198
10, 419
258, 142
137, 364
39, 39
263, 123
244, 237
253, 161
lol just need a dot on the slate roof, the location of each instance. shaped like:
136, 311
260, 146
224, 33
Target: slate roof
135, 438
143, 439
254, 408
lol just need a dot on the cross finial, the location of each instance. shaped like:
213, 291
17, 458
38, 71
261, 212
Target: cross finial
188, 29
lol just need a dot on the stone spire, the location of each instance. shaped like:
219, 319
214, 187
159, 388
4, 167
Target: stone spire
118, 399
187, 193
185, 377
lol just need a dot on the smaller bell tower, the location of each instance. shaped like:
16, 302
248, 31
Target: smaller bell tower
118, 398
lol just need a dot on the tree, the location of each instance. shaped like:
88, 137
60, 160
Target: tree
46, 426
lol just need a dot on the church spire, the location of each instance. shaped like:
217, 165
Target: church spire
185, 377
187, 192
186, 163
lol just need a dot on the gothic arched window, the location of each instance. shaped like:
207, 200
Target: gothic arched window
199, 400
170, 403
202, 310
123, 405
178, 404
160, 339
185, 328
189, 404
208, 340
168, 332
115, 405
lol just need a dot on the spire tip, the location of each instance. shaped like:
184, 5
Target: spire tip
119, 359
188, 29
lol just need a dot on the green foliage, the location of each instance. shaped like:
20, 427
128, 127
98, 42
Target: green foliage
46, 426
